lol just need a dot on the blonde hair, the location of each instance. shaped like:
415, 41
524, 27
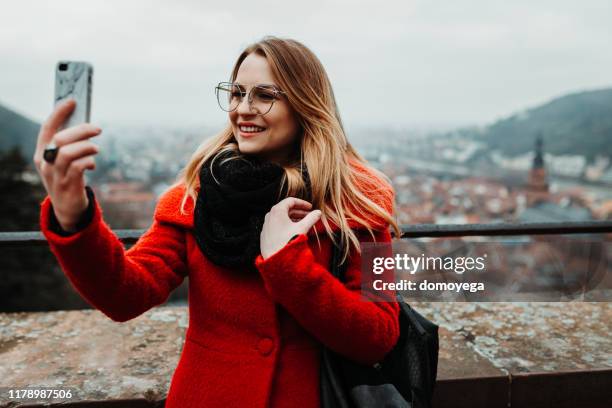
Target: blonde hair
324, 148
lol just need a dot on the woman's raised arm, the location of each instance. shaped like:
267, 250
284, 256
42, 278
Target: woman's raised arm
122, 284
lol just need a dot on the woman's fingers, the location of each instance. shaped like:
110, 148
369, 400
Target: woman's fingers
70, 152
78, 166
309, 220
289, 217
76, 133
59, 115
297, 213
64, 179
294, 208
291, 203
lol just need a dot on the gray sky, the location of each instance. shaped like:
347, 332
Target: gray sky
392, 63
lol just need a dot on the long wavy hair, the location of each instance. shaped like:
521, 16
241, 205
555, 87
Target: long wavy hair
323, 146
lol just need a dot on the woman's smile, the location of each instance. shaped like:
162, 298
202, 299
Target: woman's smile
248, 129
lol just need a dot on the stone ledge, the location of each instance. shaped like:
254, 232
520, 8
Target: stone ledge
523, 354
526, 354
85, 350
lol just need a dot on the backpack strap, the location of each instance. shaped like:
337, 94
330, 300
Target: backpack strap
335, 267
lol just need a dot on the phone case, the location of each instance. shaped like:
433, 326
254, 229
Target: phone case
73, 79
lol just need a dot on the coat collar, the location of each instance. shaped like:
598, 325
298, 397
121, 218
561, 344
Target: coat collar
378, 190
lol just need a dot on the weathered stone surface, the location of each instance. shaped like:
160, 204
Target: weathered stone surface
105, 360
87, 351
530, 337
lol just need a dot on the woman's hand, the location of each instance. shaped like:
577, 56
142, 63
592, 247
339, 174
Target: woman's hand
64, 178
289, 217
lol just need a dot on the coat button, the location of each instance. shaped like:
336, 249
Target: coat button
265, 346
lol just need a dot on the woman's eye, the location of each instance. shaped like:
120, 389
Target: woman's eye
265, 96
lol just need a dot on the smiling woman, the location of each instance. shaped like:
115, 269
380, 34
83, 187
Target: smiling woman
280, 127
252, 222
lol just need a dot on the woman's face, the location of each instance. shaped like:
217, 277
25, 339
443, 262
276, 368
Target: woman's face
277, 142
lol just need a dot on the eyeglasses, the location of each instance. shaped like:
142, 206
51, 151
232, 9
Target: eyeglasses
260, 100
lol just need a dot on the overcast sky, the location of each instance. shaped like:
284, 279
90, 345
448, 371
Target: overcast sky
392, 63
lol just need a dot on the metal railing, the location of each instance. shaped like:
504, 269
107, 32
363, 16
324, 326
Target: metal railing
532, 228
130, 236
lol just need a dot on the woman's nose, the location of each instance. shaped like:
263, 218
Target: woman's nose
244, 107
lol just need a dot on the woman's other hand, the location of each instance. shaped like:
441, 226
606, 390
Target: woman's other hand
64, 178
291, 216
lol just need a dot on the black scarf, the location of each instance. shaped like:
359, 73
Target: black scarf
229, 214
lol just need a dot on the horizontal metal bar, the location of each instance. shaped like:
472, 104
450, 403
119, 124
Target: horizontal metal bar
36, 238
532, 228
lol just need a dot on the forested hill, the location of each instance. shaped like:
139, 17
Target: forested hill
578, 123
17, 130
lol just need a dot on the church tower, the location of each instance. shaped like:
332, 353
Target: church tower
537, 184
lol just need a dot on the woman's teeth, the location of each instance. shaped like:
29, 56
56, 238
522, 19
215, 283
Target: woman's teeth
251, 129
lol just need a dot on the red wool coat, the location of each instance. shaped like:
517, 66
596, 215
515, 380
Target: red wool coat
252, 341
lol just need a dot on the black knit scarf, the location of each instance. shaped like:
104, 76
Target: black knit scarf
229, 211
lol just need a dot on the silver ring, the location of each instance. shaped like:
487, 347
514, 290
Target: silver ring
50, 152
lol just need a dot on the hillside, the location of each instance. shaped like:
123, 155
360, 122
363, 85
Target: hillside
578, 123
17, 130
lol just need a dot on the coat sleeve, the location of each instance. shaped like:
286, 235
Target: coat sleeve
121, 283
333, 312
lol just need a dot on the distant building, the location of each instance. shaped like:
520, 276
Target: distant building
128, 204
537, 183
552, 212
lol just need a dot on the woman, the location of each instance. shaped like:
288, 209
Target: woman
250, 221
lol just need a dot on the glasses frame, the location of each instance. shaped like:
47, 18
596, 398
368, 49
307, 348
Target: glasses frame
276, 92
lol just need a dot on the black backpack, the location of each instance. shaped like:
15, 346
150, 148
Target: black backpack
404, 378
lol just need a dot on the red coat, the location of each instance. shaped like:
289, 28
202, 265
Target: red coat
252, 341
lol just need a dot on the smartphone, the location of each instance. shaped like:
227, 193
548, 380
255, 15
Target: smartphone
73, 79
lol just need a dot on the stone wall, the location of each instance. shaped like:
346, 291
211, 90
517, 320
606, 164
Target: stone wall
491, 354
